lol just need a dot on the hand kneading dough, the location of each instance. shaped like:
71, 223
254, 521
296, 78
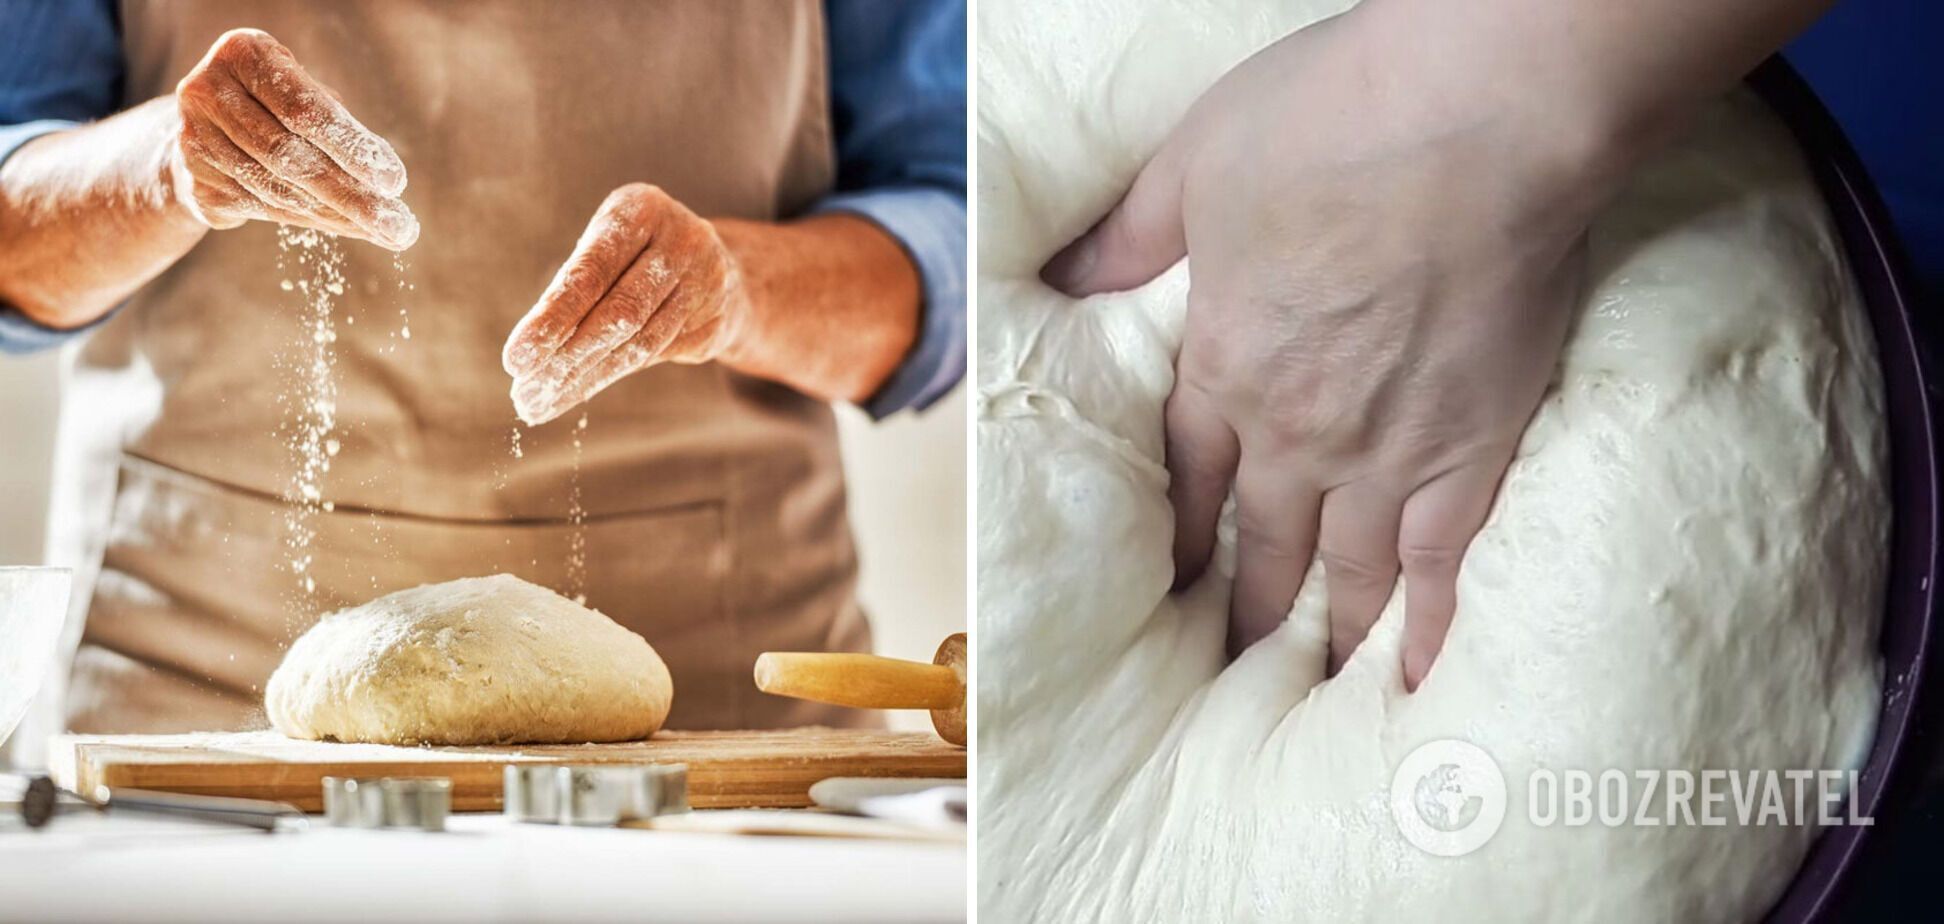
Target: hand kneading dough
490, 660
1684, 568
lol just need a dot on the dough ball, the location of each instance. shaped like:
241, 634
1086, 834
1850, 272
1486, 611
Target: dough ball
487, 660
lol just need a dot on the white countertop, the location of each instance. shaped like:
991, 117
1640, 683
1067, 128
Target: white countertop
483, 868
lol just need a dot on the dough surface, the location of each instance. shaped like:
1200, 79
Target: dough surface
1684, 568
487, 660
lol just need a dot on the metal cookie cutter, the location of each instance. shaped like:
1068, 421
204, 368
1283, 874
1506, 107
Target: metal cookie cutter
388, 802
595, 794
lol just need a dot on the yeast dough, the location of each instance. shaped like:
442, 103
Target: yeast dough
1684, 567
490, 660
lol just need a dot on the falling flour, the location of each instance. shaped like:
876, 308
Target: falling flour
404, 286
316, 262
577, 516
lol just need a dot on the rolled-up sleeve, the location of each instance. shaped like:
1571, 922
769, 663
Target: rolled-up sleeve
897, 76
60, 65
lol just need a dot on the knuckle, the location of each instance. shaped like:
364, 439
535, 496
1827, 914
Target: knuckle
193, 90
240, 45
628, 306
646, 203
1434, 557
1290, 435
637, 195
583, 279
212, 195
697, 238
293, 156
1355, 570
1208, 360
189, 138
710, 271
633, 355
1261, 538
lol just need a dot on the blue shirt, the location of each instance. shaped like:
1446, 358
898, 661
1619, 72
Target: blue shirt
897, 89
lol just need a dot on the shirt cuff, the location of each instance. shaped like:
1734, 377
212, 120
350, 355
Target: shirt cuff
930, 224
19, 333
13, 136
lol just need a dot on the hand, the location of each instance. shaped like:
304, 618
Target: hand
261, 139
649, 282
1384, 256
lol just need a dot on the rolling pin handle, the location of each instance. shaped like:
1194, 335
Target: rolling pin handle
860, 680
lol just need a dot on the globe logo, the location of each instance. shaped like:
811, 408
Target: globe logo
1448, 797
1441, 800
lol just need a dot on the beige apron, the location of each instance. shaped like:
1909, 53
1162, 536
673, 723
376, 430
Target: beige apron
713, 504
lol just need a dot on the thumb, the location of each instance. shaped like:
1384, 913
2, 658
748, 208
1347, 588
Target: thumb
1139, 239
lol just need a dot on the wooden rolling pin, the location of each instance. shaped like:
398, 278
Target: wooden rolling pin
873, 682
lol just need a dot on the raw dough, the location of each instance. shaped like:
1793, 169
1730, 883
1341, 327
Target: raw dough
1684, 568
489, 660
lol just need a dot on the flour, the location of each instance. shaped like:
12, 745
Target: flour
577, 520
313, 264
1684, 567
316, 262
405, 288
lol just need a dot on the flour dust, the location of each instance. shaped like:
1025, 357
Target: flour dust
405, 286
577, 516
312, 265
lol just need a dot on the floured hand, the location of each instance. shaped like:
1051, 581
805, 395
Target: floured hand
1382, 274
261, 139
648, 282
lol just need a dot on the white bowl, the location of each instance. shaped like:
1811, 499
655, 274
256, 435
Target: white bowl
33, 605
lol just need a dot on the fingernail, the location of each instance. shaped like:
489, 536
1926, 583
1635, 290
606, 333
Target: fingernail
387, 169
1415, 667
529, 413
1069, 269
519, 358
391, 178
398, 225
531, 394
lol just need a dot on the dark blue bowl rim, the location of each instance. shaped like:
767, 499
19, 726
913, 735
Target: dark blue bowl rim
1909, 375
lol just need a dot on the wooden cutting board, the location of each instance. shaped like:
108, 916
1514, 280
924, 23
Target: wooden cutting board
727, 769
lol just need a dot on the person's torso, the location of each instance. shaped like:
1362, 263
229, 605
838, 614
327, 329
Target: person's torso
514, 120
258, 439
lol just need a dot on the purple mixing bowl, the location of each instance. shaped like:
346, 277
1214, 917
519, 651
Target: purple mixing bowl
1910, 377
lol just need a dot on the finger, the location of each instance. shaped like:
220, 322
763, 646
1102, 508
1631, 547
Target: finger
537, 405
1357, 541
617, 234
538, 402
289, 204
558, 386
271, 73
1201, 456
1139, 239
224, 203
1275, 518
651, 344
260, 134
1438, 524
697, 343
621, 313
